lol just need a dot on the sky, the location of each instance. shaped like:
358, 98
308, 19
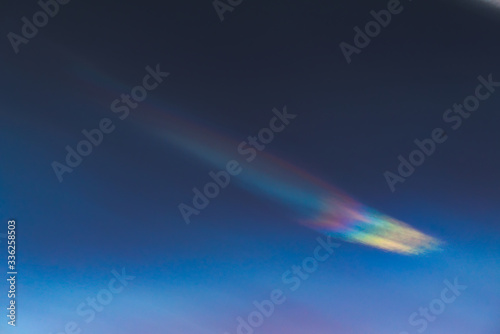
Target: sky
319, 230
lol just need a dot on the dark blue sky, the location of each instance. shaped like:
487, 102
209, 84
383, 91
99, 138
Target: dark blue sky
118, 209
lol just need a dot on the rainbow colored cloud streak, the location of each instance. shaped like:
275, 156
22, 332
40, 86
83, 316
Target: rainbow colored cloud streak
328, 210
318, 205
346, 219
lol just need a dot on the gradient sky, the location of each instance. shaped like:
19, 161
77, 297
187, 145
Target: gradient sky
118, 209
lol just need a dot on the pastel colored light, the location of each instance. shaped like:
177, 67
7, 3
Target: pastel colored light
345, 219
312, 202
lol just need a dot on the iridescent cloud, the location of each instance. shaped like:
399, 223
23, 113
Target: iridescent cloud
313, 202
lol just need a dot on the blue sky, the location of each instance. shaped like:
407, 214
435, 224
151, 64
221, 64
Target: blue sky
119, 208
